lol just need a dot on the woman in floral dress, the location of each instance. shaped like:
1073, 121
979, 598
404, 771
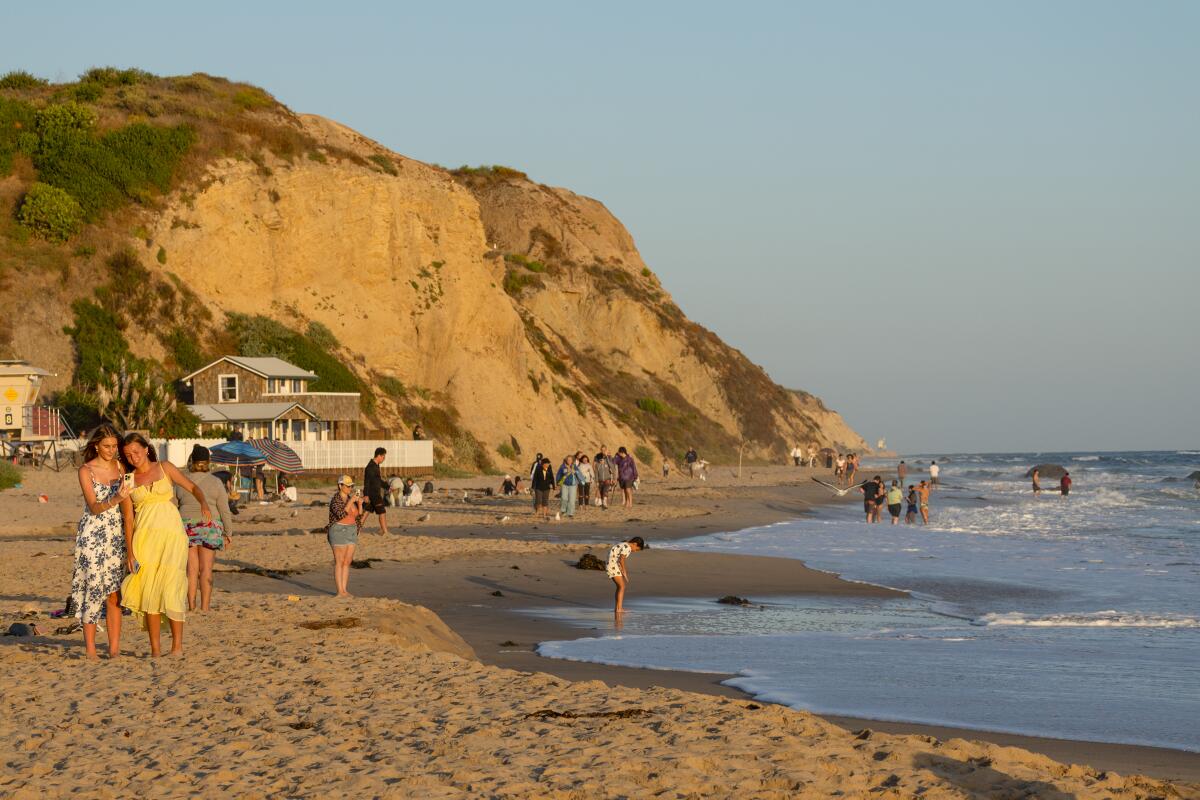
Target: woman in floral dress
100, 541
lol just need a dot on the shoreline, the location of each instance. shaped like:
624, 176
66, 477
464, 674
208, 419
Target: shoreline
503, 633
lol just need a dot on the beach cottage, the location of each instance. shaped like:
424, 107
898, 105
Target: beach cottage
270, 398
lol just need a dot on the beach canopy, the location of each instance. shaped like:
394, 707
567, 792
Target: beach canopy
1048, 471
240, 454
279, 456
827, 451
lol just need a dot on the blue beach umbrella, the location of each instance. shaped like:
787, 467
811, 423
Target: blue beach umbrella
239, 454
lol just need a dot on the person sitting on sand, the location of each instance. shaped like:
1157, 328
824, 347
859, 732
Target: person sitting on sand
617, 570
345, 522
413, 496
508, 487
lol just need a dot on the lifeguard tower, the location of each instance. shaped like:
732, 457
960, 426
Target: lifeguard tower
29, 433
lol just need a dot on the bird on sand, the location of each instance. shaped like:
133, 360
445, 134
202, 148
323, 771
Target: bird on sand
424, 518
839, 491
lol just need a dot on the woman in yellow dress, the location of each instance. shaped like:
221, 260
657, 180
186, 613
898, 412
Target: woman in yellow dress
156, 543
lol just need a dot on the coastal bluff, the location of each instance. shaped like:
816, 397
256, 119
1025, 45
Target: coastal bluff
502, 315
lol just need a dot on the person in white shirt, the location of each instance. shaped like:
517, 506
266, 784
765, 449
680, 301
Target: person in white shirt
934, 471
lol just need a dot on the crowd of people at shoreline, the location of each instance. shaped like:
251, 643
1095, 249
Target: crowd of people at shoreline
149, 536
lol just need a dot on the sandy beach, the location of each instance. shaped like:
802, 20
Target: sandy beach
426, 684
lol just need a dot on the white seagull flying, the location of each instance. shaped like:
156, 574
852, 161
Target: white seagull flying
840, 492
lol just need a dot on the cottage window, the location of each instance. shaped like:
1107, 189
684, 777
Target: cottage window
229, 388
271, 387
297, 386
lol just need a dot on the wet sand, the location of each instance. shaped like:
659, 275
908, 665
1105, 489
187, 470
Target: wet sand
460, 591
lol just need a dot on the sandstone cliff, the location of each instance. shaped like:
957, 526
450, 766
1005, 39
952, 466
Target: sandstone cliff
511, 313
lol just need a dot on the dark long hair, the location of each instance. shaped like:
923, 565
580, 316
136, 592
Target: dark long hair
136, 438
102, 432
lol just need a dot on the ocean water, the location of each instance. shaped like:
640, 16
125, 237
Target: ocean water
1073, 618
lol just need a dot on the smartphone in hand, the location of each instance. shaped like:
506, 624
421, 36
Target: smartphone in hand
128, 480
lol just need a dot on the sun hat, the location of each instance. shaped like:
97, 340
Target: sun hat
345, 480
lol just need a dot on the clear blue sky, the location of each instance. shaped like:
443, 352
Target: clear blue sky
966, 225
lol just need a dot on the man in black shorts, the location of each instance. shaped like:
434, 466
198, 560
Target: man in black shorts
373, 488
870, 490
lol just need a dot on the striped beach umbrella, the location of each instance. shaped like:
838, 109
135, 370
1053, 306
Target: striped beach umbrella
239, 454
279, 456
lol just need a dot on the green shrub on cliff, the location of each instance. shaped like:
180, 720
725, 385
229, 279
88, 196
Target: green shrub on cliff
257, 335
50, 212
384, 163
105, 171
16, 131
655, 407
20, 79
99, 344
528, 263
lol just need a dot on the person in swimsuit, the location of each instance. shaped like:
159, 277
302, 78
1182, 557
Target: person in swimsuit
1037, 483
910, 515
923, 495
617, 570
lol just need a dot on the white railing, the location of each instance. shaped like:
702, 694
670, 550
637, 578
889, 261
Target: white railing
339, 454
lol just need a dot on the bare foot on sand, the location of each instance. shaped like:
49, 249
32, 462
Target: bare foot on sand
343, 594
